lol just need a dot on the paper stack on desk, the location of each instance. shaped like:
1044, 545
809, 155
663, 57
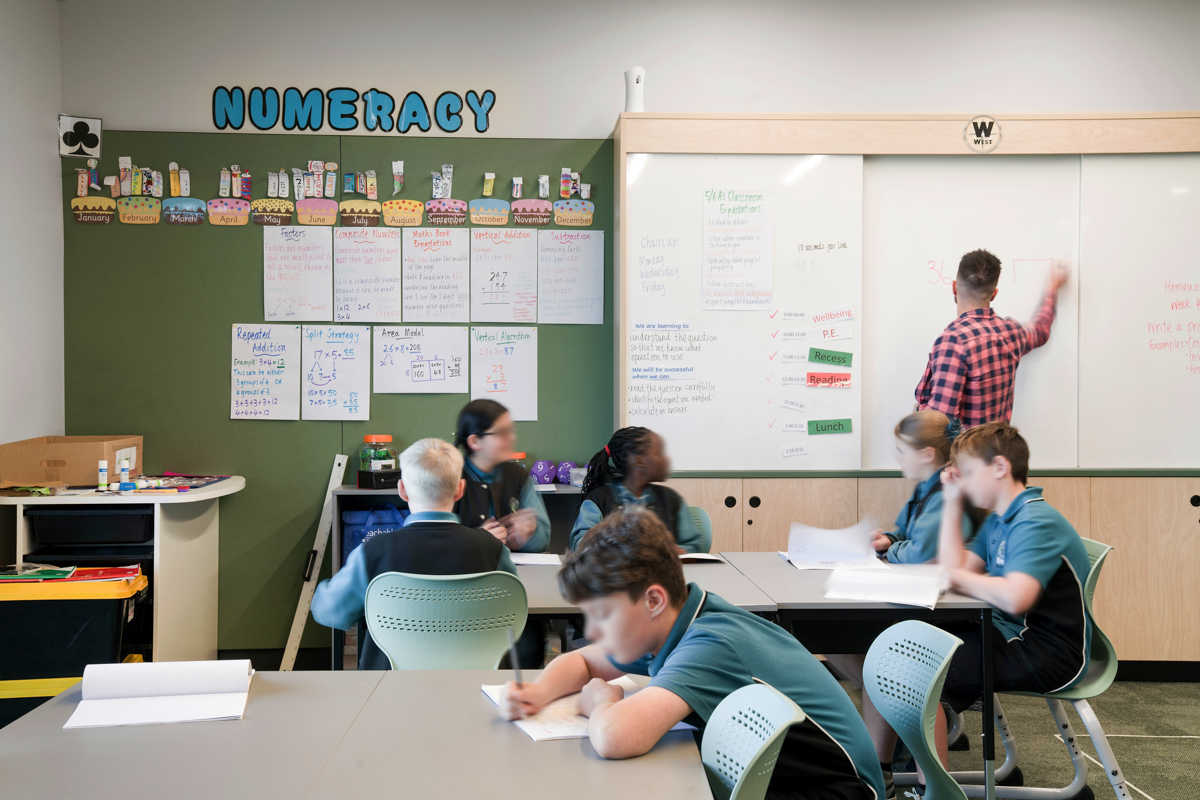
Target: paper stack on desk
162, 691
906, 584
820, 548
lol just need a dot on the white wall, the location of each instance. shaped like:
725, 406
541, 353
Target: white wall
31, 269
556, 66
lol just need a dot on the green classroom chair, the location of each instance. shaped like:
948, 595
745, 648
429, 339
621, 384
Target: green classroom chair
742, 741
903, 675
1102, 670
445, 621
704, 525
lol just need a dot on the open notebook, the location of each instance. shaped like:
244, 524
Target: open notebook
561, 720
163, 691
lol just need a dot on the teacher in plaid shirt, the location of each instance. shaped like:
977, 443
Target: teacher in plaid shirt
973, 364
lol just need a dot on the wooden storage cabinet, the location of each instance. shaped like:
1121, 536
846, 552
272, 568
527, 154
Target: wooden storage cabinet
773, 504
722, 499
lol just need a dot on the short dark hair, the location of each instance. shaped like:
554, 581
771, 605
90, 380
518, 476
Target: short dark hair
978, 273
474, 419
995, 439
629, 551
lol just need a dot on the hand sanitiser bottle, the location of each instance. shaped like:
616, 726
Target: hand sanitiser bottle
124, 470
102, 485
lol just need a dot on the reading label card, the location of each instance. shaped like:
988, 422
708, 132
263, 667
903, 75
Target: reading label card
429, 359
504, 266
337, 376
437, 286
504, 368
366, 270
571, 277
265, 380
297, 273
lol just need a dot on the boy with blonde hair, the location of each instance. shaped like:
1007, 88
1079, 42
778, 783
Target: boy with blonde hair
432, 542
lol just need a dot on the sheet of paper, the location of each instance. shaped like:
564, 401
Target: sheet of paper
821, 548
337, 372
536, 559
691, 558
297, 273
421, 359
571, 277
504, 368
437, 267
737, 257
504, 268
366, 274
159, 692
265, 372
561, 719
906, 584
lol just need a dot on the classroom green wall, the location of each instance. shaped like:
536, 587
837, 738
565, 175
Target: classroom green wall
148, 311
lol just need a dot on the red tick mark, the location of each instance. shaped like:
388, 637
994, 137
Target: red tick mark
770, 401
773, 313
773, 335
772, 356
771, 424
770, 376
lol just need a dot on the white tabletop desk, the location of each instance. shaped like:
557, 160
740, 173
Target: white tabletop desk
541, 584
186, 549
294, 722
436, 736
848, 626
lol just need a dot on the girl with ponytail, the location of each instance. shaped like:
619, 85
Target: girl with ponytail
627, 471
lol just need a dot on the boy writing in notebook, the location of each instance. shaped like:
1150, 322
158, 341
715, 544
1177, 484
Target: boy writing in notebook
1026, 561
432, 542
642, 618
973, 365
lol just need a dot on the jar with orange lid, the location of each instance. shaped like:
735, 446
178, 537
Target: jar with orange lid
377, 453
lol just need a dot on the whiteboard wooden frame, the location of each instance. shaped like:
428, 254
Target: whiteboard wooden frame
871, 134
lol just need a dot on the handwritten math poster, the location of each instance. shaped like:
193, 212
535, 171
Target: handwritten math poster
336, 380
737, 255
504, 269
425, 359
298, 273
437, 266
504, 368
571, 277
265, 372
366, 274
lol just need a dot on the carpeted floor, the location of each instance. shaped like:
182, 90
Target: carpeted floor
1154, 730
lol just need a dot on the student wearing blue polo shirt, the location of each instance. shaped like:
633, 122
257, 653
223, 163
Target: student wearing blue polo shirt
499, 494
1026, 561
697, 648
431, 542
627, 472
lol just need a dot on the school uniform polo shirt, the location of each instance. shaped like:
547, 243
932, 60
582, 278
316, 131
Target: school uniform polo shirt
715, 648
919, 523
1034, 538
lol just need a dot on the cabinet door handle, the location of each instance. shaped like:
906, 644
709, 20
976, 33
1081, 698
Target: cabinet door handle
755, 502
1196, 500
730, 501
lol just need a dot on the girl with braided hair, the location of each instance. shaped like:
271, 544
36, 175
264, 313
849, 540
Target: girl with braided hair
627, 472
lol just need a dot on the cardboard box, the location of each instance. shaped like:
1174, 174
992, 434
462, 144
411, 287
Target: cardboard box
72, 459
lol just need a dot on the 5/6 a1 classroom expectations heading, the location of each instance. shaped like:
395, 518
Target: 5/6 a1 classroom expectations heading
345, 109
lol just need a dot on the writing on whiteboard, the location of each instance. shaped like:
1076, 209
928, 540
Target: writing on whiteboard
1176, 332
736, 260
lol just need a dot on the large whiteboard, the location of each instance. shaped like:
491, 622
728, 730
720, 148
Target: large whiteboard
1139, 365
920, 215
731, 392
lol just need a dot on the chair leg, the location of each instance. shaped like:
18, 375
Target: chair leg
1100, 741
1010, 750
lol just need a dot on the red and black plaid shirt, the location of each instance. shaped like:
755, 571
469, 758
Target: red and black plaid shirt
973, 364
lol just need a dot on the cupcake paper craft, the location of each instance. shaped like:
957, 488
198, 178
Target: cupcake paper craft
532, 212
183, 211
573, 212
314, 211
228, 211
360, 213
271, 211
94, 210
403, 213
446, 212
489, 212
139, 210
